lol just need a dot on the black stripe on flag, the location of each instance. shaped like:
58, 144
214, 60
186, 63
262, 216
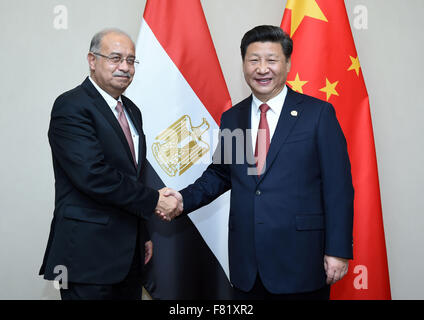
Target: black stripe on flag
182, 267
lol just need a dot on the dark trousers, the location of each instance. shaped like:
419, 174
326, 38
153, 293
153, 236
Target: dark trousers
129, 289
259, 292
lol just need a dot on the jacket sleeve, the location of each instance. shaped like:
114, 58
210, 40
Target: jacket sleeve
79, 153
337, 185
214, 181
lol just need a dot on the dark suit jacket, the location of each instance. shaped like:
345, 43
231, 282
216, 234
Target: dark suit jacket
100, 202
282, 223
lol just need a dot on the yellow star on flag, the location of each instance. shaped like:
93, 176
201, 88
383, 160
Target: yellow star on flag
355, 65
301, 9
297, 84
330, 88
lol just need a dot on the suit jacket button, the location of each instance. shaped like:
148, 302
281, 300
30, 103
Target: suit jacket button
258, 192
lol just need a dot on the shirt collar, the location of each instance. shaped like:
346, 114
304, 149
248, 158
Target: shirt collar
275, 104
111, 101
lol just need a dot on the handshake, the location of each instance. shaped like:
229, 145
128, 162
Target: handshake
170, 204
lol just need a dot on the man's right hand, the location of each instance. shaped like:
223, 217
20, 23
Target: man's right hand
169, 205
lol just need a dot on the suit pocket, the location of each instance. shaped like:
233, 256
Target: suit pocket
309, 222
300, 136
86, 215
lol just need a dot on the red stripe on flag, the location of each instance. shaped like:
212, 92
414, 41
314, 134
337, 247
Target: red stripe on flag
182, 30
323, 50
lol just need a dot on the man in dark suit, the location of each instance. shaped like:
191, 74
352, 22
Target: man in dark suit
98, 235
291, 213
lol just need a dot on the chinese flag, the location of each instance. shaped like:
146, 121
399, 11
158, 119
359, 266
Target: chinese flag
325, 65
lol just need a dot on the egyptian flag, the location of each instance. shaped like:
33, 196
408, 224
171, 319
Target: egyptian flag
325, 65
181, 91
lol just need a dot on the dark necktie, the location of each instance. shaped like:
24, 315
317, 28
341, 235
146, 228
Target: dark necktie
122, 119
262, 140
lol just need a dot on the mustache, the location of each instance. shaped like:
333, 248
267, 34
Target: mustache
121, 74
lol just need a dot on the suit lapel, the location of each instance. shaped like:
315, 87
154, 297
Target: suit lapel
285, 124
129, 107
245, 123
138, 125
104, 109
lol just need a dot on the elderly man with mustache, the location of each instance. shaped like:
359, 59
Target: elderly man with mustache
98, 232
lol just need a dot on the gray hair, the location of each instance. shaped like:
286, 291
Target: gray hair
95, 44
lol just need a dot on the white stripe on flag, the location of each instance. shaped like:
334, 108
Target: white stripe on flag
164, 96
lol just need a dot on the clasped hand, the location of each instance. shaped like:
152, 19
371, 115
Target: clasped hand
335, 268
170, 204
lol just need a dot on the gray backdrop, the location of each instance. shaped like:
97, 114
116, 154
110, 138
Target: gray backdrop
40, 61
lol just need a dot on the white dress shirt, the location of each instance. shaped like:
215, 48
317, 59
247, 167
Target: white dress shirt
272, 116
112, 102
